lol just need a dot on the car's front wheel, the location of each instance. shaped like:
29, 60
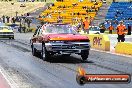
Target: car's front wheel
84, 54
44, 54
34, 50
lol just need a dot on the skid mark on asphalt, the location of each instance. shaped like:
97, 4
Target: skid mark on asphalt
15, 45
65, 66
27, 50
61, 70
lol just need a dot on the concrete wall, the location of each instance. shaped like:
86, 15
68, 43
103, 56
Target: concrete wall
124, 48
119, 0
123, 0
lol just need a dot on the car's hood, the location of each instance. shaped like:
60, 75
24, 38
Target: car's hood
6, 30
67, 37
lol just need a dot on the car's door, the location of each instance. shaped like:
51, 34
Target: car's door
40, 36
35, 39
39, 39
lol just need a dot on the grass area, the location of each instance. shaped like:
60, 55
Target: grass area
6, 8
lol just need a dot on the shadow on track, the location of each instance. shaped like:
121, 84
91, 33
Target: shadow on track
68, 60
6, 39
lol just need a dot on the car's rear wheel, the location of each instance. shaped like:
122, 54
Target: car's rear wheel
84, 54
44, 54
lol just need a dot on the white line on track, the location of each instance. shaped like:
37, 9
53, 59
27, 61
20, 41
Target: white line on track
10, 82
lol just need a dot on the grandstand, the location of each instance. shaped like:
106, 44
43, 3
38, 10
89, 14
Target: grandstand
71, 11
10, 8
119, 11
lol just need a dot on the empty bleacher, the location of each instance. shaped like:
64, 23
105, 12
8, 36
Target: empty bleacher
120, 11
9, 9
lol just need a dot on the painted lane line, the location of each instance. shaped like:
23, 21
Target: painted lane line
10, 82
109, 52
3, 82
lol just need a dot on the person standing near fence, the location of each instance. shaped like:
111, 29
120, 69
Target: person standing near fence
3, 18
111, 28
86, 25
129, 29
29, 22
102, 28
121, 29
7, 18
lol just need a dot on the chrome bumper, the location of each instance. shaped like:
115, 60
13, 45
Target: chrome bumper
7, 35
75, 47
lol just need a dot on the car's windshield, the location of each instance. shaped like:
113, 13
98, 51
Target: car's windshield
60, 29
4, 27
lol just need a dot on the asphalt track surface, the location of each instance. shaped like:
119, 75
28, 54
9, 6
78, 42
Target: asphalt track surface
26, 71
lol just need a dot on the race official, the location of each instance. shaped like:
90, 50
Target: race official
86, 25
111, 28
129, 29
102, 28
121, 29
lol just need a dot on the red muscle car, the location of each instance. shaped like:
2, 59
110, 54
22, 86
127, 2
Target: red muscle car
51, 39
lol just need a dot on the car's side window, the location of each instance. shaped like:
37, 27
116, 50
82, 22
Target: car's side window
40, 32
36, 32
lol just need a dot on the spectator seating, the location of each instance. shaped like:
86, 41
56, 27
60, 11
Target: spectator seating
9, 9
70, 11
120, 11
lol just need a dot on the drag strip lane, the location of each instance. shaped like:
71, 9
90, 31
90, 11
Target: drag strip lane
17, 45
95, 59
54, 73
